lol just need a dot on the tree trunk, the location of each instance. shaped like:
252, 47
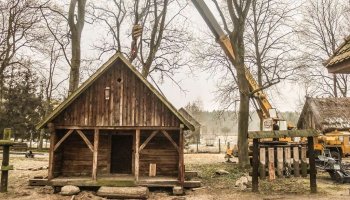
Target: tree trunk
75, 65
41, 139
76, 29
243, 118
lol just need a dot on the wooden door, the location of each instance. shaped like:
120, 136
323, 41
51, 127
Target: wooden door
121, 158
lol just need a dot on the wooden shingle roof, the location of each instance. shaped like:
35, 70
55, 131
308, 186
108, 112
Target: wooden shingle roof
327, 113
96, 75
335, 63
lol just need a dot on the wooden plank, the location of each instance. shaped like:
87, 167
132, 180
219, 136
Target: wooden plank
181, 157
147, 140
280, 162
123, 192
287, 160
310, 144
303, 162
137, 158
262, 166
296, 168
152, 169
192, 184
282, 133
118, 127
53, 139
255, 179
271, 153
38, 182
62, 139
95, 154
87, 141
166, 134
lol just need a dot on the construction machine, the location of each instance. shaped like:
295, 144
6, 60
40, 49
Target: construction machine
336, 142
268, 115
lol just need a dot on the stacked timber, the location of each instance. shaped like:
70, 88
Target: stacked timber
283, 161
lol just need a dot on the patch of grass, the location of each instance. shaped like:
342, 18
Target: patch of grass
208, 177
285, 186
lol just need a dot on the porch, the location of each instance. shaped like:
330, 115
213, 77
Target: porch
116, 157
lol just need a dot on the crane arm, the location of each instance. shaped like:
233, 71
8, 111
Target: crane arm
226, 45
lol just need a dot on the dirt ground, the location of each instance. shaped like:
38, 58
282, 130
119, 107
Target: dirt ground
213, 186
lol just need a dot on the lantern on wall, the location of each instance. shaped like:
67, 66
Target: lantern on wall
107, 93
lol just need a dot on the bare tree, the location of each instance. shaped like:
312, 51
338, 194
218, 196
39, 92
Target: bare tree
18, 19
323, 27
268, 41
160, 46
238, 12
76, 20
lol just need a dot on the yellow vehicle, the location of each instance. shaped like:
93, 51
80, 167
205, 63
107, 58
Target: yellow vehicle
338, 143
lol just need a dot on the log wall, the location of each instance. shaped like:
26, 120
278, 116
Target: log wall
161, 152
77, 157
131, 103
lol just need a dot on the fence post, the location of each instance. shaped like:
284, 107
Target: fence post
219, 146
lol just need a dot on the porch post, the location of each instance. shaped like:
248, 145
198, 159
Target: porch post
95, 154
137, 146
313, 185
53, 139
181, 157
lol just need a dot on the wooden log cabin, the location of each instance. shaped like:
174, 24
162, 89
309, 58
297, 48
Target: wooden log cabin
116, 128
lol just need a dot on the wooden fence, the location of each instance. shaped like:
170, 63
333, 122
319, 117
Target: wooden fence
283, 161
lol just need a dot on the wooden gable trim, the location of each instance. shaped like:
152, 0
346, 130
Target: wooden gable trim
96, 75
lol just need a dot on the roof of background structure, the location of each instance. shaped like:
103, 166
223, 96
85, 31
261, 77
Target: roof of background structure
96, 75
341, 54
189, 117
329, 113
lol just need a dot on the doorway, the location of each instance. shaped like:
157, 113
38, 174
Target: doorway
121, 154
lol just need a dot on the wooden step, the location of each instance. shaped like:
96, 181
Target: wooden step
123, 192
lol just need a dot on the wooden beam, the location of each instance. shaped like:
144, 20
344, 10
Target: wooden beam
166, 134
120, 127
95, 154
63, 139
255, 179
303, 162
262, 166
147, 140
272, 175
296, 168
181, 157
88, 143
280, 162
53, 139
137, 158
310, 144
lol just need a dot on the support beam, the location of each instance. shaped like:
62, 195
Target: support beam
166, 134
88, 143
154, 133
262, 166
62, 139
313, 185
95, 154
255, 179
137, 155
53, 139
181, 157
